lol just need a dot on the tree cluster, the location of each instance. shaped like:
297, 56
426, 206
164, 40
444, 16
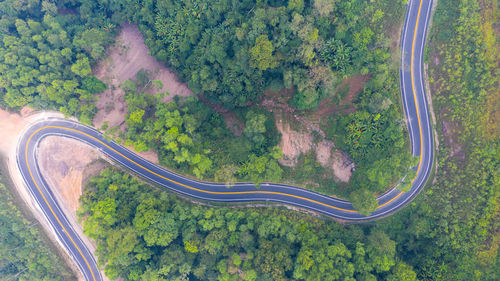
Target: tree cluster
230, 51
191, 137
146, 234
24, 254
46, 58
376, 139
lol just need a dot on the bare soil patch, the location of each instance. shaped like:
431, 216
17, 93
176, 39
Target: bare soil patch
11, 126
336, 160
281, 96
300, 133
290, 113
92, 169
327, 106
63, 161
293, 143
296, 143
149, 155
342, 166
67, 164
129, 55
356, 84
324, 152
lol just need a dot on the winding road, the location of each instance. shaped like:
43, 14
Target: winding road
416, 109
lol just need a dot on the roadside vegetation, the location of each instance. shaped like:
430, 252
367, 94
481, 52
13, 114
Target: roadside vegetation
228, 53
231, 53
450, 232
192, 138
453, 231
24, 254
146, 234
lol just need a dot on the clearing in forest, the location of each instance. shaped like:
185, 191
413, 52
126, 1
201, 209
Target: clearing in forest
125, 58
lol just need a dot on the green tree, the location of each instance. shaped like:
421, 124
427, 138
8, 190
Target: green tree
81, 67
260, 168
364, 201
226, 174
402, 272
261, 54
135, 118
24, 254
296, 5
255, 126
381, 250
251, 275
226, 242
93, 85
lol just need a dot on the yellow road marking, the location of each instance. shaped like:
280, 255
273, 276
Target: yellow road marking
413, 88
399, 194
187, 186
46, 202
242, 192
416, 102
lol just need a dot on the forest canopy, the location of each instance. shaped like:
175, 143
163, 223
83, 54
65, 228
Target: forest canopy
232, 50
229, 52
24, 254
146, 234
46, 58
435, 235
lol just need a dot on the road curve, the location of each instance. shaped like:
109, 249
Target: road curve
416, 110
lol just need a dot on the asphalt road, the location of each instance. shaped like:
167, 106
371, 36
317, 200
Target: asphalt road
416, 109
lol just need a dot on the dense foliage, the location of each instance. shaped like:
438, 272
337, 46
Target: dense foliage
146, 234
24, 254
374, 138
191, 137
452, 233
230, 51
46, 58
